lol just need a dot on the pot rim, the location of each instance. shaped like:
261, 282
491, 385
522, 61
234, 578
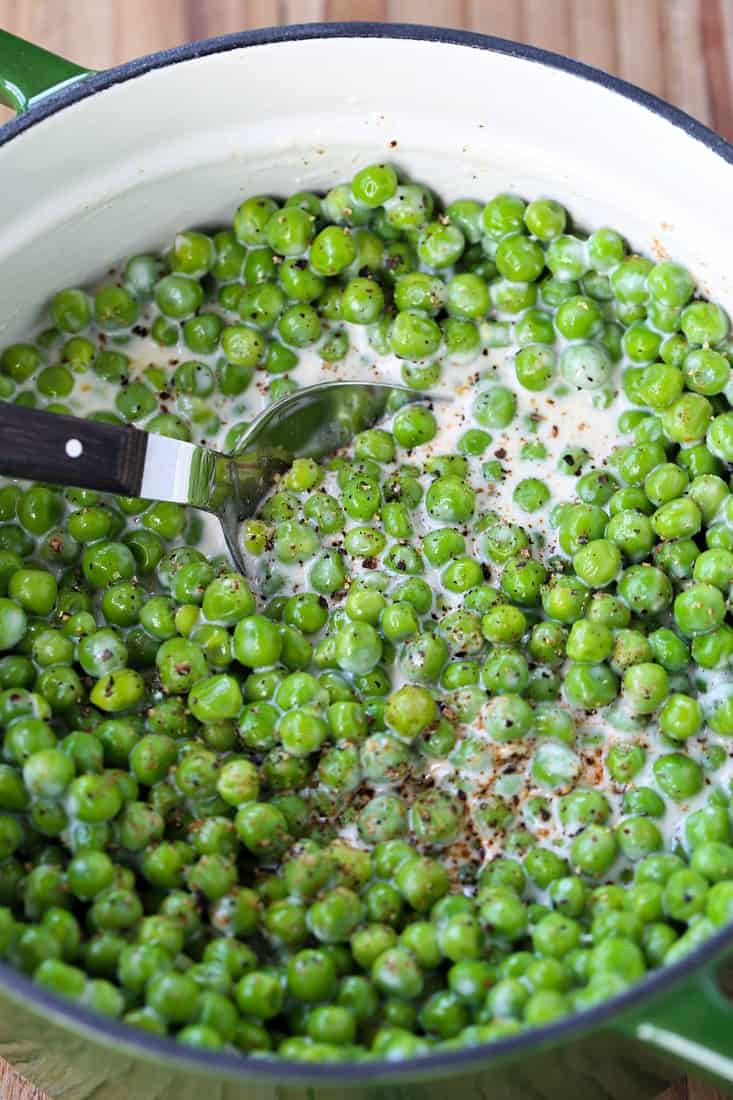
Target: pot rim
72, 93
164, 1049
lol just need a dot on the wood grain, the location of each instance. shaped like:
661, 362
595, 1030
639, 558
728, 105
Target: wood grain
679, 49
596, 33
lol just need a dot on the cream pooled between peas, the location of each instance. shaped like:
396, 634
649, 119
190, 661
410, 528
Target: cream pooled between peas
465, 692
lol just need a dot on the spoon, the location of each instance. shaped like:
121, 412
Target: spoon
89, 454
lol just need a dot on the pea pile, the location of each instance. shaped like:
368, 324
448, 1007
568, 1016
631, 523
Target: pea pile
453, 759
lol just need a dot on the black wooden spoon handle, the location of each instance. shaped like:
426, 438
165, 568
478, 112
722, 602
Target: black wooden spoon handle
67, 450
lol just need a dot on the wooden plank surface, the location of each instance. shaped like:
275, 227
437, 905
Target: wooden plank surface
679, 49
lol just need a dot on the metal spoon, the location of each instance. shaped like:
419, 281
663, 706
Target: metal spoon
310, 423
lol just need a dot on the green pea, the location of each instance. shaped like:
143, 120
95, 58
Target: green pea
678, 776
594, 850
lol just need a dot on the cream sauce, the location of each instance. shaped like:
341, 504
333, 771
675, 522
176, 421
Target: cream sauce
558, 418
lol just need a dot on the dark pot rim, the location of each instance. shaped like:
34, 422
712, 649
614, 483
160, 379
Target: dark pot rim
658, 982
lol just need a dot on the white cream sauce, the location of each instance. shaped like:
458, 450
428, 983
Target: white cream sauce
558, 418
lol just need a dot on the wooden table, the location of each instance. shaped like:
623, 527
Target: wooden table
680, 49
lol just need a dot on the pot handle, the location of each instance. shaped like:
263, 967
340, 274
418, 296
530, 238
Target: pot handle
28, 72
691, 1024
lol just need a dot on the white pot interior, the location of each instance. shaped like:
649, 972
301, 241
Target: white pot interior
182, 145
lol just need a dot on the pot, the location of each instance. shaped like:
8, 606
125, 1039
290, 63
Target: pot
97, 166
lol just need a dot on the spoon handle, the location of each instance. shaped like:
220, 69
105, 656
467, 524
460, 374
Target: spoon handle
113, 458
67, 450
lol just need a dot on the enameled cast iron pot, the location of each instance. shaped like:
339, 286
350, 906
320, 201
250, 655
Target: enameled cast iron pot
98, 166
